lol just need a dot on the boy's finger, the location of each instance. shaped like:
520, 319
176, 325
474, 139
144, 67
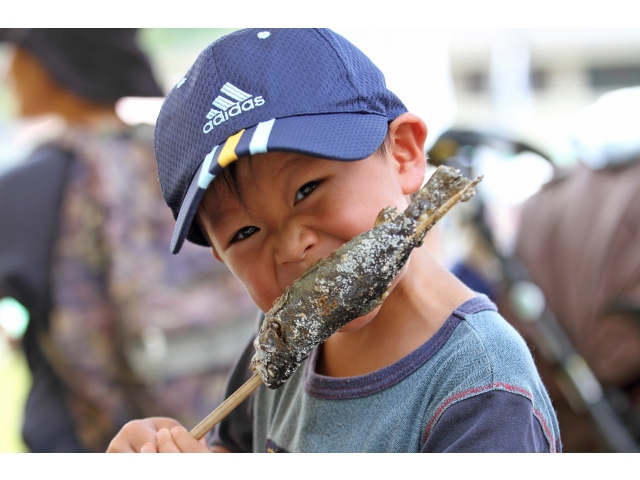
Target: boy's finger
149, 448
120, 446
186, 443
131, 437
166, 443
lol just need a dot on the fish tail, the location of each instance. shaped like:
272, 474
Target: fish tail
435, 199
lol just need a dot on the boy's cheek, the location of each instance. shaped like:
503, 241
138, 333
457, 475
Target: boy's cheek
265, 282
260, 289
262, 280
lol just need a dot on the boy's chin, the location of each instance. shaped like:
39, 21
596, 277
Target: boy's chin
358, 323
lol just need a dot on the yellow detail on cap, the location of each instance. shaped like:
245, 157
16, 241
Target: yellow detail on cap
228, 154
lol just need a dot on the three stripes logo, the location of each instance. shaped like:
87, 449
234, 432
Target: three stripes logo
240, 102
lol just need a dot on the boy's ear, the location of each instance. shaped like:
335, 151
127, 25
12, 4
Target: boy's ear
407, 135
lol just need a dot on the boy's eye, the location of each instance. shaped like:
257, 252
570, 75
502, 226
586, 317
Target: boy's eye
243, 233
306, 190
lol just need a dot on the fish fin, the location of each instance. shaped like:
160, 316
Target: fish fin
280, 302
387, 214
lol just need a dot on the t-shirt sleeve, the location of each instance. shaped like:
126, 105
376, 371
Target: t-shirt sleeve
494, 421
235, 431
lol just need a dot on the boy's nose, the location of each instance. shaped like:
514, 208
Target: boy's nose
294, 244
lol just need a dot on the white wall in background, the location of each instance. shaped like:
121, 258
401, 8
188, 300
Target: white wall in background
415, 62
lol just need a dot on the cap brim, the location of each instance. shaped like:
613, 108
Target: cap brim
337, 136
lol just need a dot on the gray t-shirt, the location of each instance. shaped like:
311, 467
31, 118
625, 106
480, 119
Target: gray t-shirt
472, 387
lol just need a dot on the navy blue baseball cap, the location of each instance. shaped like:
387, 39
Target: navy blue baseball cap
308, 91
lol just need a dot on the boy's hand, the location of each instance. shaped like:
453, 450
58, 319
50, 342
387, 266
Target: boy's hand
177, 440
138, 433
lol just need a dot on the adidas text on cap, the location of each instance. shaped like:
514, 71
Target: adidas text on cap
253, 91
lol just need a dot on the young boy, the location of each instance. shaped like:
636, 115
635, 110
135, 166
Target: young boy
277, 147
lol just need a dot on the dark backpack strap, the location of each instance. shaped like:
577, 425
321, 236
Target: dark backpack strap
30, 199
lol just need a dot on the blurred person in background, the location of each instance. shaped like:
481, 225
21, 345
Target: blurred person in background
115, 320
579, 238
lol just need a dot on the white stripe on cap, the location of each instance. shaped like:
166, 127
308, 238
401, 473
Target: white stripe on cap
234, 92
261, 137
223, 103
205, 177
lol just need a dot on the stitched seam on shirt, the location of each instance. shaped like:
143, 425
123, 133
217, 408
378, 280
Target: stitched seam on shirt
547, 432
494, 386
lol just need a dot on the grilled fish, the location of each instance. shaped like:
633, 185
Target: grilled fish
352, 281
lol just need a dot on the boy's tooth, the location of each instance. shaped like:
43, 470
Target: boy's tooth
352, 281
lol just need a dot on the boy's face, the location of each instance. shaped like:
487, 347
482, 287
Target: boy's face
298, 210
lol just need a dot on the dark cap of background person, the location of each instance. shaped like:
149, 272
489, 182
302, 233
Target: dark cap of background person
102, 65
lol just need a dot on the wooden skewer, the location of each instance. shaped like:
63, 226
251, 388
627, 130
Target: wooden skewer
226, 407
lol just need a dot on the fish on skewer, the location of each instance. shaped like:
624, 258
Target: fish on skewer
352, 281
349, 283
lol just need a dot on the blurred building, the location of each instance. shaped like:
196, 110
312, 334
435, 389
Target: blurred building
559, 71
